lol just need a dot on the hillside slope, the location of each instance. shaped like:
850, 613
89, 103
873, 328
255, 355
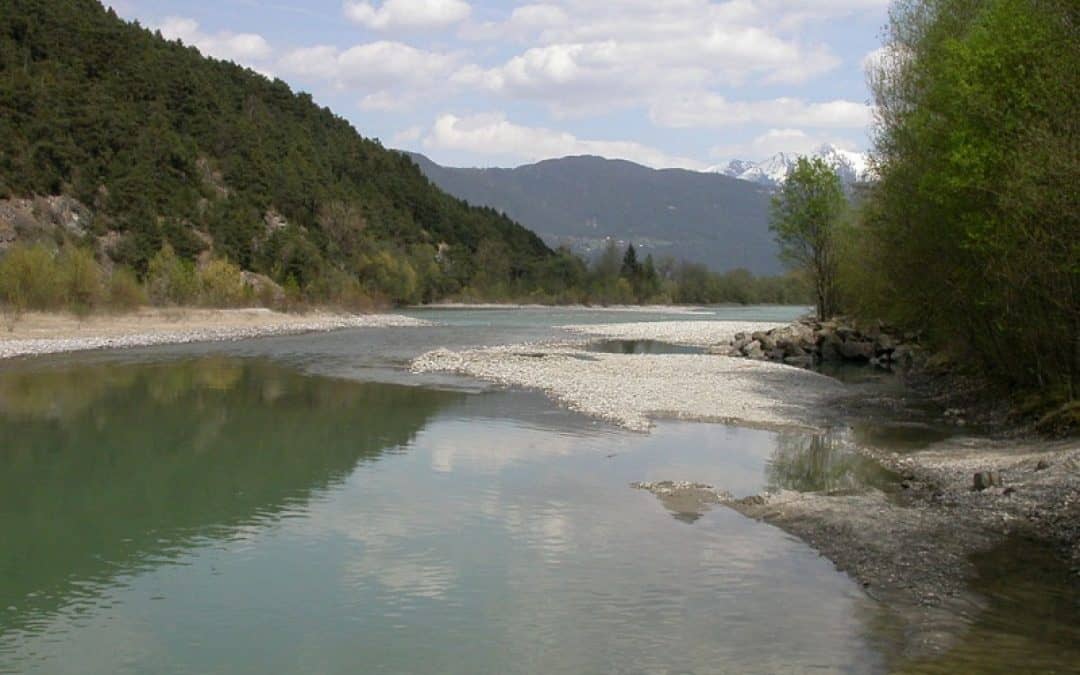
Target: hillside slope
165, 145
701, 217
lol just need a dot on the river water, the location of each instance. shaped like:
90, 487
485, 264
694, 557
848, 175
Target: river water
304, 505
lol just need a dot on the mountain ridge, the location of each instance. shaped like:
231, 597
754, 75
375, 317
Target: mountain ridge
585, 200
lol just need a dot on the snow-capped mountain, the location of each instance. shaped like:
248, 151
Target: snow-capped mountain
852, 166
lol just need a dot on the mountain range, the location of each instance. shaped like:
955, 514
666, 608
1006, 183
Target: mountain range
852, 167
586, 201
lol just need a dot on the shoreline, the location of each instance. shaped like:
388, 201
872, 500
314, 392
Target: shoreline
39, 333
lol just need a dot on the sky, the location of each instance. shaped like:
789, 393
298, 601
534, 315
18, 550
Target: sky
665, 83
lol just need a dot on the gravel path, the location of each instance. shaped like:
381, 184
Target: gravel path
51, 334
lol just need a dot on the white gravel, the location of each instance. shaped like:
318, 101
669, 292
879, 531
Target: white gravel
632, 389
691, 333
177, 334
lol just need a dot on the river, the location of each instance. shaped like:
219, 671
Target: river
305, 504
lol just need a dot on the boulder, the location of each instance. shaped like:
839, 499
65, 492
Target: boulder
986, 479
754, 350
884, 343
856, 350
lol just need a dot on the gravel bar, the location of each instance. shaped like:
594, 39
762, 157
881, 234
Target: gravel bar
219, 326
632, 389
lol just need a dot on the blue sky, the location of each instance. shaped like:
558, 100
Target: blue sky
688, 83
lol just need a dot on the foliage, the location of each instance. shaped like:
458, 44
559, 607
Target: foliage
805, 213
36, 277
125, 291
30, 279
171, 280
80, 279
221, 284
973, 227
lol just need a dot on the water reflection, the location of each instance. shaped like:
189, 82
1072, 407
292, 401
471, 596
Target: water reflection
822, 463
111, 468
223, 515
1032, 620
641, 347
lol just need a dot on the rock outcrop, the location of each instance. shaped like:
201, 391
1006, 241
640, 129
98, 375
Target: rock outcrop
809, 342
40, 216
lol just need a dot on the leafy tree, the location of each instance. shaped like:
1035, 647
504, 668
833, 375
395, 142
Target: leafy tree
805, 214
171, 280
973, 224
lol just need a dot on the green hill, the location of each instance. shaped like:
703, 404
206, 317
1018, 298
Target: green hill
165, 145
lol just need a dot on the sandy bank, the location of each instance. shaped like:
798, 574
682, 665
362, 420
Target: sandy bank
48, 333
630, 390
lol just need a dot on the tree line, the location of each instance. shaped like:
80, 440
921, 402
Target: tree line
970, 236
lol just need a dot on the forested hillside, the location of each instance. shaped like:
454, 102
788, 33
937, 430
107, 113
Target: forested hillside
166, 146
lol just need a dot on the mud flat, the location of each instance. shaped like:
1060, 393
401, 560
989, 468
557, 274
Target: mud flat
47, 333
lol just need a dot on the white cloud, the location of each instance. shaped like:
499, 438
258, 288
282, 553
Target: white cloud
525, 22
408, 136
493, 134
243, 48
585, 57
389, 75
710, 110
407, 14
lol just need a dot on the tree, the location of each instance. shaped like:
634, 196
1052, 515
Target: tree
630, 266
805, 213
973, 222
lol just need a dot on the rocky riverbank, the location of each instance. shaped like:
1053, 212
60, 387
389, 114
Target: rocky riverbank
808, 342
912, 548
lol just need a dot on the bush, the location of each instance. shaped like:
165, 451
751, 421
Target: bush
29, 278
170, 280
221, 284
125, 291
80, 279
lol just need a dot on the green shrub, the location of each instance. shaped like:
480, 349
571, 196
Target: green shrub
170, 280
221, 284
125, 291
80, 280
29, 278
